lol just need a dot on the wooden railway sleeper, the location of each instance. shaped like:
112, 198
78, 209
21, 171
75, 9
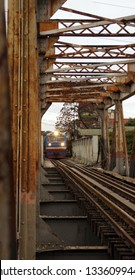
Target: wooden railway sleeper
93, 221
124, 251
94, 224
103, 228
114, 244
111, 242
97, 226
106, 236
125, 208
118, 220
110, 218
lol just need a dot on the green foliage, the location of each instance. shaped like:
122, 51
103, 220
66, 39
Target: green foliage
68, 115
131, 122
72, 115
88, 115
129, 139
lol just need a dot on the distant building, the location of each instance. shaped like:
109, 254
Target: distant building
111, 118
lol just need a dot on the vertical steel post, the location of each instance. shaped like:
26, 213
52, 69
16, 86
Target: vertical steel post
30, 132
105, 146
7, 197
132, 160
22, 38
13, 53
45, 10
119, 156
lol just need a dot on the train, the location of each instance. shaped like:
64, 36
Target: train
56, 145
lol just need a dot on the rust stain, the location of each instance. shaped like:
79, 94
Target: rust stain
48, 25
55, 5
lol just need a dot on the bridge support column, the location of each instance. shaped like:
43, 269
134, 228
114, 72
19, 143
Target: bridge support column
24, 103
119, 156
7, 195
105, 146
45, 10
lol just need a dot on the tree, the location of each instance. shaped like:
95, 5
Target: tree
67, 118
131, 122
73, 115
88, 115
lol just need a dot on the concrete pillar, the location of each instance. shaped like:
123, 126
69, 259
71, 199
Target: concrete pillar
7, 194
119, 156
79, 143
94, 149
86, 150
90, 150
78, 150
83, 148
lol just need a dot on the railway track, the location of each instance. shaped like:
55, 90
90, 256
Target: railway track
120, 193
123, 188
107, 207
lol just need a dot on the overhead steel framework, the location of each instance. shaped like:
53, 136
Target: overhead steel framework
50, 61
82, 66
71, 70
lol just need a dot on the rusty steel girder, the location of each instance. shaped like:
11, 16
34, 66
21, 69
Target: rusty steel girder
132, 160
26, 111
34, 47
119, 155
91, 64
7, 194
47, 8
24, 103
66, 50
80, 72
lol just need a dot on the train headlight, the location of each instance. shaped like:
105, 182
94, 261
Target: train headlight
56, 133
62, 144
49, 144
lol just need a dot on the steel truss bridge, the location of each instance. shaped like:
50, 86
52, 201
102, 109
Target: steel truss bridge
48, 61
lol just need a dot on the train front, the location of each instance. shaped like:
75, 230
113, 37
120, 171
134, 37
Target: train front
56, 145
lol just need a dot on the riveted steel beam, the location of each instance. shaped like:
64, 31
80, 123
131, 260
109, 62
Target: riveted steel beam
63, 55
121, 23
104, 142
119, 156
7, 195
24, 96
132, 160
47, 8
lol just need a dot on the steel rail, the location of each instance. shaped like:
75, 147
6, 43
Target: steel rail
123, 187
127, 184
106, 181
118, 199
76, 178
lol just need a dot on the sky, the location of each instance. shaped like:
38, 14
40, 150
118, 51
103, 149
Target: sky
106, 8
